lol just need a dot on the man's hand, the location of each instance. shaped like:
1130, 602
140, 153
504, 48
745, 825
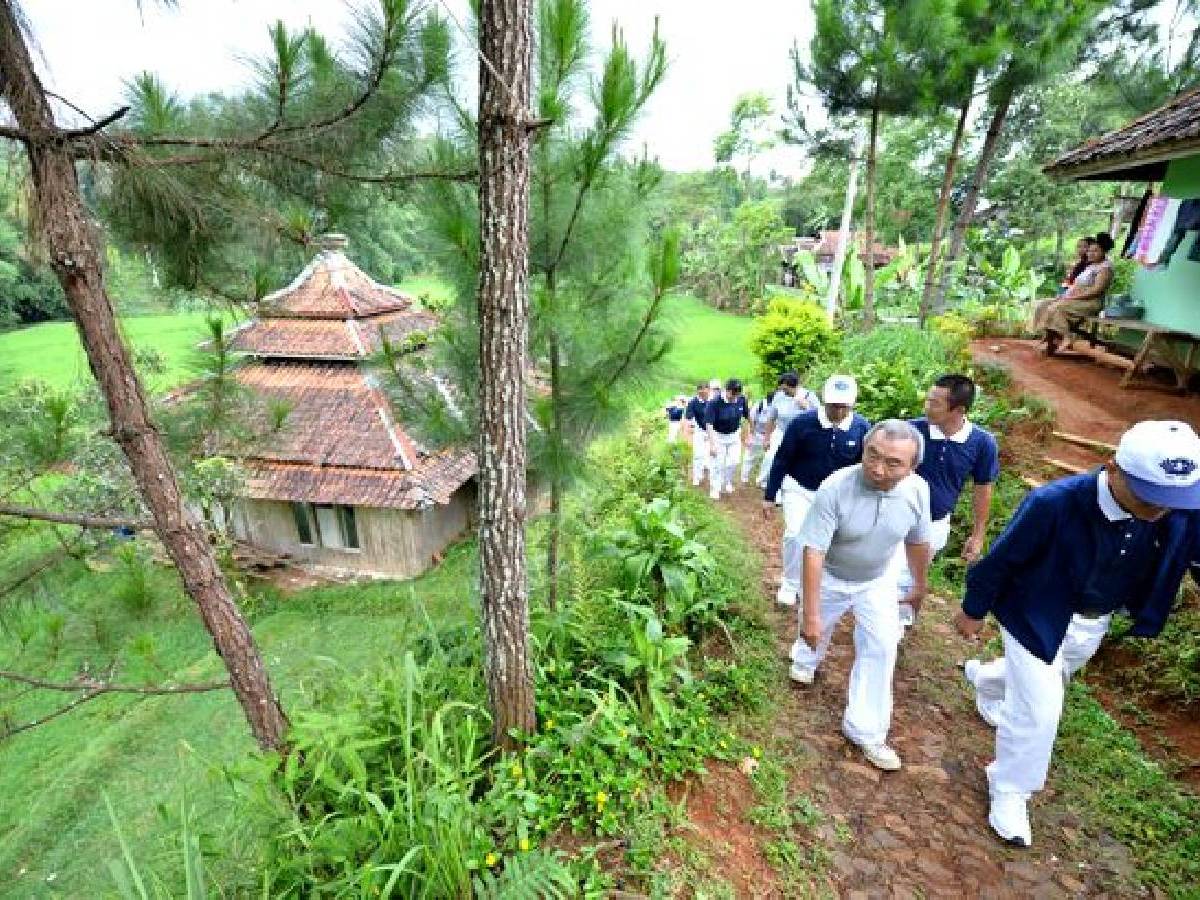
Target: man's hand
768, 510
972, 548
811, 631
967, 627
915, 597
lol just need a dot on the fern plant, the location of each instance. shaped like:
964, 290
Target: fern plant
538, 873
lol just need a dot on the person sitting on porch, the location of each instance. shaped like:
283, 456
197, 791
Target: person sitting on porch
1084, 298
1078, 264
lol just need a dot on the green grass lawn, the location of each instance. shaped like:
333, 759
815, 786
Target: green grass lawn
51, 352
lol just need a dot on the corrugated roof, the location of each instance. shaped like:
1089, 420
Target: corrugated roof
1146, 143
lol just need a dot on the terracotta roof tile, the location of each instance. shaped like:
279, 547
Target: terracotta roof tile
1172, 126
340, 442
328, 338
332, 287
434, 481
335, 417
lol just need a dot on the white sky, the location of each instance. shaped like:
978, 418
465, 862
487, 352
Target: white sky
717, 51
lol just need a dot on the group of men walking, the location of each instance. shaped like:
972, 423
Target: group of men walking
866, 507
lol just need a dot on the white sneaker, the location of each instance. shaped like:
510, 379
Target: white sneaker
801, 675
881, 756
784, 597
908, 615
1009, 818
989, 710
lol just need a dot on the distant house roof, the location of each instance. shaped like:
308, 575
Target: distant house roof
825, 247
340, 442
1140, 150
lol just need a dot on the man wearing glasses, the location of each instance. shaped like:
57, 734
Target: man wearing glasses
859, 517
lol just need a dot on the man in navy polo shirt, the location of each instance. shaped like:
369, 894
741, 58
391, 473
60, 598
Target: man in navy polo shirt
1076, 551
725, 418
815, 445
955, 450
693, 419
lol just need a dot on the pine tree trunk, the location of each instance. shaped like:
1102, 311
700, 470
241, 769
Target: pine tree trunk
959, 237
939, 223
869, 223
505, 42
75, 253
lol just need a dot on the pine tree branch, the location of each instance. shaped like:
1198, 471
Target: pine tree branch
15, 134
81, 519
71, 134
121, 148
86, 683
91, 690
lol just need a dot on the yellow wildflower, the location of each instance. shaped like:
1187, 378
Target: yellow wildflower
524, 845
756, 753
516, 770
490, 860
601, 798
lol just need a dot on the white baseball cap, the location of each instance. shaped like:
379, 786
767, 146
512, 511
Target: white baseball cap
840, 389
1161, 463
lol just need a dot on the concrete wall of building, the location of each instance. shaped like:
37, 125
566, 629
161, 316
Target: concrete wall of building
1171, 295
394, 543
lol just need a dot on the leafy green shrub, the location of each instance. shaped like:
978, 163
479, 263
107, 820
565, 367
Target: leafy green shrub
791, 335
661, 555
377, 797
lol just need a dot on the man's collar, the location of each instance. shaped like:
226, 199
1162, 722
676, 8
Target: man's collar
1108, 503
959, 437
843, 425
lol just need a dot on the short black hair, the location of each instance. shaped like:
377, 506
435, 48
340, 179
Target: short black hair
791, 379
733, 385
1105, 241
960, 390
702, 386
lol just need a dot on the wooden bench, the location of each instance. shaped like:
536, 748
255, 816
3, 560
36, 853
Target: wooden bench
1158, 345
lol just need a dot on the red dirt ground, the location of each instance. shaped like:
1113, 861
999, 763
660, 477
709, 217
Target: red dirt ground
920, 832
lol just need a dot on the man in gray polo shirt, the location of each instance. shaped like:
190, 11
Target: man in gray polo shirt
859, 516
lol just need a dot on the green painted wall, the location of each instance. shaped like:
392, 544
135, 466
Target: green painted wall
1171, 296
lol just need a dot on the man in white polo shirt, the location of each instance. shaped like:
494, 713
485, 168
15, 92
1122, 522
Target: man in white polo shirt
858, 517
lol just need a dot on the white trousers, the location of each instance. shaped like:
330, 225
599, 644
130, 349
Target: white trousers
1025, 696
877, 631
939, 534
769, 455
796, 502
673, 431
752, 454
724, 462
700, 457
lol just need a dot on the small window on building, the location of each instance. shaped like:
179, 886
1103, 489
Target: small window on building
302, 513
329, 529
349, 527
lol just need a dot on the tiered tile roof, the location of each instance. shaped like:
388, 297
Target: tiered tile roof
340, 442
